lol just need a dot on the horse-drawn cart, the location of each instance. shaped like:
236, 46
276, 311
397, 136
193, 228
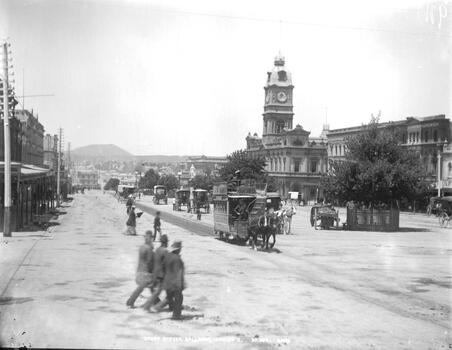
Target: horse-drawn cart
182, 198
200, 200
324, 216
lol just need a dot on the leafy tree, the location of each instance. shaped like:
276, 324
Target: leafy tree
112, 184
150, 179
242, 166
376, 169
170, 181
272, 185
202, 181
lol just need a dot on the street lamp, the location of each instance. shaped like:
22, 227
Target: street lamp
438, 165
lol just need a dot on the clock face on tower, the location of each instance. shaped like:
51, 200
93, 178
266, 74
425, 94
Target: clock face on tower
282, 97
267, 98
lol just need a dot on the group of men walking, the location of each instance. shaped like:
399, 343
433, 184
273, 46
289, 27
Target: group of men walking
160, 270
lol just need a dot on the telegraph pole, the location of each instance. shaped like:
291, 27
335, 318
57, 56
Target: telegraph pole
59, 166
7, 144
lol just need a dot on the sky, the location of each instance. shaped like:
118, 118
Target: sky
187, 77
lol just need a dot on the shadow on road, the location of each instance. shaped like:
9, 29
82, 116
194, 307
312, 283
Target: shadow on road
413, 229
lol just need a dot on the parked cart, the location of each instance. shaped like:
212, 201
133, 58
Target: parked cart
324, 216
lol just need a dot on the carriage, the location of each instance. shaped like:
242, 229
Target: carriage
160, 194
125, 191
182, 198
324, 216
245, 215
200, 199
434, 206
444, 211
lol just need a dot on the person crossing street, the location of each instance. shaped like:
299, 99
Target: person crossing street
158, 272
145, 267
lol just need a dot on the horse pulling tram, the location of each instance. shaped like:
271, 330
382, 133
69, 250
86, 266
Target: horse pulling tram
246, 215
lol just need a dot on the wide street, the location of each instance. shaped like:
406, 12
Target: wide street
321, 289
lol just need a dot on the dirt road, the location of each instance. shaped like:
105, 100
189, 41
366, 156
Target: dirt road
319, 289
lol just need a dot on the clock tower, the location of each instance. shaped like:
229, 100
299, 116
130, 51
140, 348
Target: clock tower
278, 107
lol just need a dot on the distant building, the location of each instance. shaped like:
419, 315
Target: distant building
51, 151
205, 164
428, 136
32, 138
294, 159
86, 178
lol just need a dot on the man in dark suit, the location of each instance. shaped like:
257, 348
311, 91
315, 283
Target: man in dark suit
174, 282
158, 272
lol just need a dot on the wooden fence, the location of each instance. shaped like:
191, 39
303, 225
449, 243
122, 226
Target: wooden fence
372, 219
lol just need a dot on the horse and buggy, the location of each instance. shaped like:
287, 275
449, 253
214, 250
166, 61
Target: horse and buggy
160, 194
246, 215
182, 198
200, 200
324, 216
442, 208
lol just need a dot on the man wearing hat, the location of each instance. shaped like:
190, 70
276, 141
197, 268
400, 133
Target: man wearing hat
158, 272
174, 282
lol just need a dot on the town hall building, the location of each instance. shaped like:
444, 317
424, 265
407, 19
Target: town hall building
293, 159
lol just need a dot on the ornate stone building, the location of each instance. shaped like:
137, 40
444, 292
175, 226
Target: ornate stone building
294, 159
428, 136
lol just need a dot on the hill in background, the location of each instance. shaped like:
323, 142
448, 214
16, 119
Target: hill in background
113, 152
105, 152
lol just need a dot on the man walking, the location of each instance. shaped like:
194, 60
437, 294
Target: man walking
158, 272
143, 277
157, 226
174, 282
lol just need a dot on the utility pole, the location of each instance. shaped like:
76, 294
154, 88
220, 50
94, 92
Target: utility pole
60, 133
438, 169
7, 145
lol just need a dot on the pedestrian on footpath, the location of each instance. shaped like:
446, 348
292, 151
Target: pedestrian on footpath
158, 272
174, 281
131, 223
129, 204
143, 276
198, 213
157, 226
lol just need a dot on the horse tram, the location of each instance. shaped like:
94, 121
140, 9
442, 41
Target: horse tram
182, 198
246, 215
324, 216
160, 194
200, 200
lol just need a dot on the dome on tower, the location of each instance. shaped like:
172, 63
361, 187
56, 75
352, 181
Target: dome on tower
279, 76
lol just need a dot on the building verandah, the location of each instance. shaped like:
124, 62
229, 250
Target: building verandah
33, 193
